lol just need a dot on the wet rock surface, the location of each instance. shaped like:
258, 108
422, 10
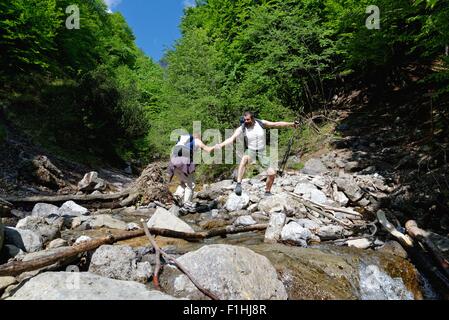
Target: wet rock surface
83, 286
231, 272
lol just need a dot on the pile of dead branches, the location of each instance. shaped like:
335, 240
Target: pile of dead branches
152, 186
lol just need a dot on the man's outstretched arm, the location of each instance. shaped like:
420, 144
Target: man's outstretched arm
230, 140
280, 124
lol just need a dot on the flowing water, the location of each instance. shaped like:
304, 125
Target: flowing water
375, 284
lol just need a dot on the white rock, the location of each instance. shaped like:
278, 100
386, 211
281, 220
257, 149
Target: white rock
340, 198
48, 230
309, 192
82, 239
236, 203
274, 230
294, 232
245, 221
71, 209
215, 213
319, 181
359, 243
45, 210
165, 220
132, 226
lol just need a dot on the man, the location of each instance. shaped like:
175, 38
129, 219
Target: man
183, 167
255, 141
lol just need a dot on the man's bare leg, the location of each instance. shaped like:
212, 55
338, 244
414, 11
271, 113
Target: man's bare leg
270, 179
245, 160
242, 168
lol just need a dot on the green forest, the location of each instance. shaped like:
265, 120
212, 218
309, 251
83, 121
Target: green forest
91, 93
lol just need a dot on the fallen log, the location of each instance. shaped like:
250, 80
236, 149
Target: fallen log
422, 236
405, 240
317, 208
418, 256
17, 267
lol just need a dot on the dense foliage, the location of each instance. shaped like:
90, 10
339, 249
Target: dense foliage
87, 91
280, 58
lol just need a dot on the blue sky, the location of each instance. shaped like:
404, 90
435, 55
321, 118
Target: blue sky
154, 22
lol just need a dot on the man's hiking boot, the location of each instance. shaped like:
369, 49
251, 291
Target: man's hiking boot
238, 189
268, 194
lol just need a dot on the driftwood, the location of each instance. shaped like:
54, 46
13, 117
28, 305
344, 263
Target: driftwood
172, 260
18, 267
320, 209
405, 240
420, 258
422, 236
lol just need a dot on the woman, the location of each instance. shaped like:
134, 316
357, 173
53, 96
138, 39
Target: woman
183, 167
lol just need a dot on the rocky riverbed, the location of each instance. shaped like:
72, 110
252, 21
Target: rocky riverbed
321, 242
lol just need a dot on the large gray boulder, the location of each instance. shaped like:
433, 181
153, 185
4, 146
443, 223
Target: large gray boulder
27, 240
274, 230
236, 203
119, 262
48, 231
45, 210
71, 209
166, 220
230, 272
83, 286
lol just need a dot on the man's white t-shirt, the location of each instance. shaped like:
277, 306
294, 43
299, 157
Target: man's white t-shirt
256, 137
